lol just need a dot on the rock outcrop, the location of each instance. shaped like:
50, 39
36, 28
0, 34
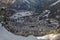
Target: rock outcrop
20, 19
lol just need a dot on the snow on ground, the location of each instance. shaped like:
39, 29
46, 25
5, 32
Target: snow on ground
21, 14
55, 3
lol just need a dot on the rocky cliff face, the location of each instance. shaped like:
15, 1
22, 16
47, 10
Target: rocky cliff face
31, 17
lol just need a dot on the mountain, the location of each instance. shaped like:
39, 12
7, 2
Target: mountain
31, 17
